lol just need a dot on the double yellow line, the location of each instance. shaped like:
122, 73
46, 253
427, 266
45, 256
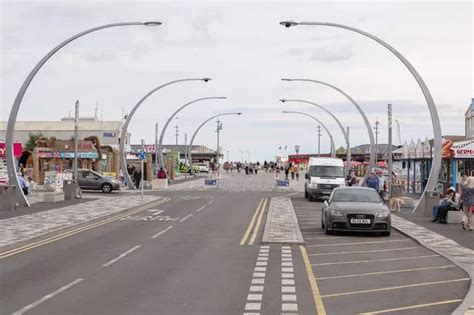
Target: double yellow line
55, 238
255, 223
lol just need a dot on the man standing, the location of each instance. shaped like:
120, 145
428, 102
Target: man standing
373, 181
381, 185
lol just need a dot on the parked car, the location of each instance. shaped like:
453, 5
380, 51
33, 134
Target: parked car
91, 180
358, 209
203, 168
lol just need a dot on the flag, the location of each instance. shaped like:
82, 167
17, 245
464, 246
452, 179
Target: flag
285, 147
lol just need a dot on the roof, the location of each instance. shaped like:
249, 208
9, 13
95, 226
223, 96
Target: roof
35, 126
471, 107
365, 149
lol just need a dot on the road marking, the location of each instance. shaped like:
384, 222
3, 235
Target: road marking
162, 232
58, 237
313, 283
364, 251
395, 287
259, 221
384, 272
374, 260
47, 297
185, 218
121, 256
357, 243
207, 204
412, 307
247, 232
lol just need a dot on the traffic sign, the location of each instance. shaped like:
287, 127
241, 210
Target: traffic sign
141, 155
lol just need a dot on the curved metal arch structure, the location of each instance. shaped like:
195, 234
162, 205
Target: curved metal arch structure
436, 164
344, 133
194, 136
373, 150
160, 144
13, 179
333, 147
123, 164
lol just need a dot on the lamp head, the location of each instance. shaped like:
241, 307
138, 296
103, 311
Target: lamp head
283, 100
289, 23
152, 23
286, 79
206, 79
285, 111
221, 97
239, 113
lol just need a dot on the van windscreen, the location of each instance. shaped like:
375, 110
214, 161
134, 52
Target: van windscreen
326, 171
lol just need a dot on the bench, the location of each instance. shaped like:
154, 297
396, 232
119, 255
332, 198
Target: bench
454, 217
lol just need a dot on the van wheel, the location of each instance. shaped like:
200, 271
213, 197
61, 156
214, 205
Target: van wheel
106, 188
310, 198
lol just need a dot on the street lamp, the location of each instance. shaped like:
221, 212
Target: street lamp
372, 160
436, 164
13, 178
345, 134
160, 145
333, 148
195, 133
123, 164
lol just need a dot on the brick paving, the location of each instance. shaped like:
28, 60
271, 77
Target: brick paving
282, 225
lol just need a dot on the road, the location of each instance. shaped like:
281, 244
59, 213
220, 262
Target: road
201, 253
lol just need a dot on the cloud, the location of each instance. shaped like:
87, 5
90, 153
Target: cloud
332, 54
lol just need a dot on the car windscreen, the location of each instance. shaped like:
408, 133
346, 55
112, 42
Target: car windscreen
356, 195
326, 171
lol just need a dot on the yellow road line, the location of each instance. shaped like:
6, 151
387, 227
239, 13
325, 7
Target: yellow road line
246, 234
318, 301
29, 246
384, 272
394, 288
412, 307
374, 260
259, 221
364, 251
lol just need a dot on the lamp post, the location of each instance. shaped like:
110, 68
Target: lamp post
333, 148
436, 164
197, 130
13, 178
123, 165
160, 144
362, 113
344, 133
248, 154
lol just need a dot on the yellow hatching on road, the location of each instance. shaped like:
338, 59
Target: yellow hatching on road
260, 207
312, 281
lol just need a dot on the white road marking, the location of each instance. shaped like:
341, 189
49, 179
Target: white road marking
364, 251
287, 264
162, 232
287, 275
202, 208
358, 243
258, 275
185, 218
260, 269
287, 269
256, 288
289, 307
288, 289
47, 297
262, 258
263, 255
288, 297
374, 260
287, 282
254, 297
286, 259
253, 306
121, 256
261, 263
258, 281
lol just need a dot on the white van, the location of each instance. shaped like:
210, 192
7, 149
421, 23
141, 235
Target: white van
324, 174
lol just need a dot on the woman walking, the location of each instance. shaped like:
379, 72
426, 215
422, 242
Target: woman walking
467, 197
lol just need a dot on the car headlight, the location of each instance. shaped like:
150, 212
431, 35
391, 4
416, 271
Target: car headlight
336, 213
384, 214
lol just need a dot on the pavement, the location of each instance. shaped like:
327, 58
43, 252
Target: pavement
196, 250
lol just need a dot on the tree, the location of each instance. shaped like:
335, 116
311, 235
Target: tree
32, 138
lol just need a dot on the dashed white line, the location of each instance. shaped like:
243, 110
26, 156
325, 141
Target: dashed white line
185, 218
47, 297
121, 256
162, 232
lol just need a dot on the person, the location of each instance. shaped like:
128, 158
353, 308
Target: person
373, 181
467, 196
161, 173
246, 169
23, 183
297, 173
138, 177
287, 171
292, 171
381, 188
448, 203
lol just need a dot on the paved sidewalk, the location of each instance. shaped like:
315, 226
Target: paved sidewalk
282, 225
21, 228
459, 255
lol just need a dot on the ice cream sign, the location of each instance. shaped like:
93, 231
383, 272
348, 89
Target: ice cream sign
463, 149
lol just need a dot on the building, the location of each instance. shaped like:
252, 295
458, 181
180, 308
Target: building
469, 120
108, 132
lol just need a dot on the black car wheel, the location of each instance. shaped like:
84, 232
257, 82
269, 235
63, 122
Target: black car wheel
387, 233
305, 194
327, 231
106, 188
322, 223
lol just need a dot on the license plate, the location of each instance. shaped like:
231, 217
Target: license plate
326, 192
360, 221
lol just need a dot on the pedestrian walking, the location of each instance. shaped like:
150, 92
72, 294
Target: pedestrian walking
381, 188
246, 169
23, 183
297, 173
138, 178
287, 171
292, 171
467, 196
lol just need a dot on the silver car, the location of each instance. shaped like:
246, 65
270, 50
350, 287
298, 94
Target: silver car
358, 209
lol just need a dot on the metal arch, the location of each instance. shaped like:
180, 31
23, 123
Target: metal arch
194, 135
123, 164
344, 133
436, 164
362, 113
160, 144
13, 179
333, 147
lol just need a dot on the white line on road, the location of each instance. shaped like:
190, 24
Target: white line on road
162, 232
202, 208
47, 297
357, 243
374, 260
185, 218
364, 251
121, 256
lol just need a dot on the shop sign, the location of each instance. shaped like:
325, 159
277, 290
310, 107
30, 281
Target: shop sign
68, 155
149, 148
17, 149
463, 149
109, 135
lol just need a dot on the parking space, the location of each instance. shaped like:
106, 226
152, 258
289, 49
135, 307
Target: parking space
364, 273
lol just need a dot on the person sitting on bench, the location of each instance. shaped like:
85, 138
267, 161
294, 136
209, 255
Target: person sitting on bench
449, 203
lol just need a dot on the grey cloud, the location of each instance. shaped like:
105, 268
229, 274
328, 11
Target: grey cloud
332, 54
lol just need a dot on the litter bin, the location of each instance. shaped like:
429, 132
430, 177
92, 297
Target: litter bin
7, 197
68, 187
431, 199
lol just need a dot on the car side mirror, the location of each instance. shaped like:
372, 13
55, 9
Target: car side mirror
306, 176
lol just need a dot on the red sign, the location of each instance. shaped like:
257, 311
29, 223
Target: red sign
17, 149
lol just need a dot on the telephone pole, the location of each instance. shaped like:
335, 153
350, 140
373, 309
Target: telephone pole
376, 140
177, 133
319, 140
219, 128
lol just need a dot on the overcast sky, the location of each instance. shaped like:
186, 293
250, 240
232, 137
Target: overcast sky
241, 46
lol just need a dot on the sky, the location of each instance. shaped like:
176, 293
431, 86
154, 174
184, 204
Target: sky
242, 47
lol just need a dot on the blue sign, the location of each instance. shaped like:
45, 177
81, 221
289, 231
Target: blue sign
282, 183
210, 182
141, 155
